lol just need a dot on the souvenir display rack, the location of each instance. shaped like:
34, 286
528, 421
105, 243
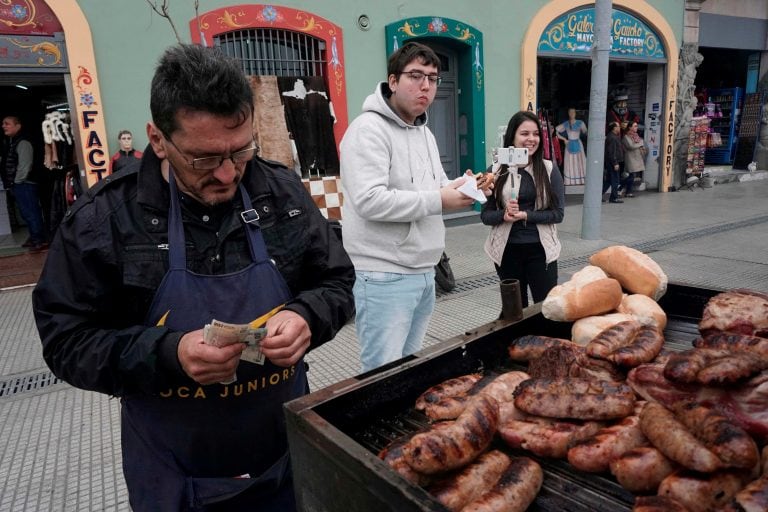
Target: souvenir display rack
697, 146
725, 123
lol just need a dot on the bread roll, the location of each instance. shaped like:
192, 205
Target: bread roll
585, 329
644, 309
636, 272
588, 292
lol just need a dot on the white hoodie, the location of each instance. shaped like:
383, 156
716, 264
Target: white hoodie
391, 177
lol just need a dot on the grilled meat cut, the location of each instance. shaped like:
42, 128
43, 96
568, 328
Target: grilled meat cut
752, 498
392, 454
497, 386
575, 398
442, 449
700, 492
467, 484
658, 504
614, 337
515, 490
738, 311
710, 366
546, 437
528, 348
642, 469
595, 453
732, 445
560, 361
671, 437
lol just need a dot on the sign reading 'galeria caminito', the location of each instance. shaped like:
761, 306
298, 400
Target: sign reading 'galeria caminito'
573, 32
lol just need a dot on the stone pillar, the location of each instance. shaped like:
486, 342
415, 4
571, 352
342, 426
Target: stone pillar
690, 59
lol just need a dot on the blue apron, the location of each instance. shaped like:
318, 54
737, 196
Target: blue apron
192, 446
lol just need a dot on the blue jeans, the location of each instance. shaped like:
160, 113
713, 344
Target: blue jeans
393, 312
611, 180
26, 198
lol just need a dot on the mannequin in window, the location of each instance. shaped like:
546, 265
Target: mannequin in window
574, 158
127, 155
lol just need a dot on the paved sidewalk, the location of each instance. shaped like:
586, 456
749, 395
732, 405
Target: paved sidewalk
60, 446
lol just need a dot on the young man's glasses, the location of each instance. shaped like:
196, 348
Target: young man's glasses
418, 77
208, 163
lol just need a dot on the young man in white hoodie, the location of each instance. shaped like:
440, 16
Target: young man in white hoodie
395, 191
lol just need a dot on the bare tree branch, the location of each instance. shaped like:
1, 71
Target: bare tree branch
162, 10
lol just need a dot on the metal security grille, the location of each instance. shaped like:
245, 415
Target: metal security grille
268, 51
26, 383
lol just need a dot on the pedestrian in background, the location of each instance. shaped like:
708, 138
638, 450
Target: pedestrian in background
18, 179
527, 204
203, 229
634, 157
126, 155
395, 191
614, 162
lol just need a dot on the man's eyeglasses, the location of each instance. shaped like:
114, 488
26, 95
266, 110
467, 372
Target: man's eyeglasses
208, 163
418, 77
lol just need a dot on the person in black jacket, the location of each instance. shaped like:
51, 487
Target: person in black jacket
614, 162
203, 231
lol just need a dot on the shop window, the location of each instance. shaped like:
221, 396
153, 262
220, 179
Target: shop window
266, 51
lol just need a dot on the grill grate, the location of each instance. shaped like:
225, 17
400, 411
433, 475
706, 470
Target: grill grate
27, 383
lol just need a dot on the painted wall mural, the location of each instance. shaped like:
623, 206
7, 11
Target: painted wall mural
32, 51
241, 17
573, 33
27, 17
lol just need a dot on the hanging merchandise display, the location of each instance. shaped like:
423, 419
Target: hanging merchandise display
724, 122
697, 146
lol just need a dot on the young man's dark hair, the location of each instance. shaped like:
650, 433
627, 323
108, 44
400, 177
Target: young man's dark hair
124, 132
407, 53
198, 78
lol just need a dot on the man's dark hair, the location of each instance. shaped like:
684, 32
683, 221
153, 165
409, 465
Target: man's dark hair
409, 52
197, 78
124, 132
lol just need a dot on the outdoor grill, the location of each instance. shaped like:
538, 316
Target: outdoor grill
336, 433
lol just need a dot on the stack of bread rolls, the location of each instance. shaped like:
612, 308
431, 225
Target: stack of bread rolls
594, 298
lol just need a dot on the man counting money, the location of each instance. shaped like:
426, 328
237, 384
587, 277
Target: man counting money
202, 231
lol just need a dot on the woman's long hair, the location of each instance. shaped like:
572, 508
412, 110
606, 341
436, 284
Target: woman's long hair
544, 193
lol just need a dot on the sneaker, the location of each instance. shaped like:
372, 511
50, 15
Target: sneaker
629, 195
615, 201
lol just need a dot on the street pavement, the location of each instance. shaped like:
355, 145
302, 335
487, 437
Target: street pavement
60, 446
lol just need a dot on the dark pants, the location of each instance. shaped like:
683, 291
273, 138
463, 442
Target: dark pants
611, 180
528, 264
629, 183
27, 199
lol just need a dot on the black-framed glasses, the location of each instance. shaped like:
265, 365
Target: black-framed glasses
208, 163
418, 77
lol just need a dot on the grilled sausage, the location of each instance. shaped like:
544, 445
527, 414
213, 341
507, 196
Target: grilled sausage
515, 490
613, 338
642, 469
575, 398
450, 388
713, 366
657, 504
499, 387
447, 448
528, 348
673, 440
502, 388
595, 453
392, 454
700, 492
546, 437
468, 484
752, 498
735, 343
732, 445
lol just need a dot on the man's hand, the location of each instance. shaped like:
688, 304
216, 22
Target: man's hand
287, 339
452, 199
205, 363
